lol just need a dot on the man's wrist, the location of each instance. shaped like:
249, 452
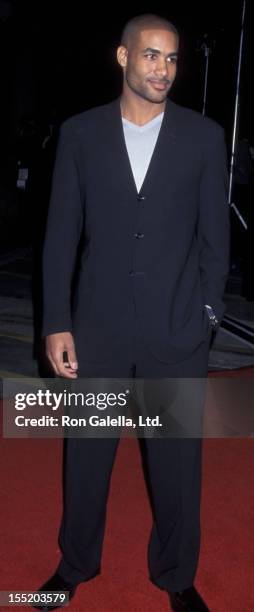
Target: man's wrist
214, 322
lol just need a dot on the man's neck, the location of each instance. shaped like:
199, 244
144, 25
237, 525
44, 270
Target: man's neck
140, 111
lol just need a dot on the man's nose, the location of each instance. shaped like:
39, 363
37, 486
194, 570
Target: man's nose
162, 67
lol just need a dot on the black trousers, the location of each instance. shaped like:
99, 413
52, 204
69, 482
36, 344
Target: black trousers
173, 466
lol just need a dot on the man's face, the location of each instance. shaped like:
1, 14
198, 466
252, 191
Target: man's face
149, 64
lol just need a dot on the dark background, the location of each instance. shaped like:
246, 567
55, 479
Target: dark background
59, 59
63, 55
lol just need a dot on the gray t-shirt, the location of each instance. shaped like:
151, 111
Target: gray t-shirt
140, 142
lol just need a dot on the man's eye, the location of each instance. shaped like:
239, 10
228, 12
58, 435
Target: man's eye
172, 60
151, 56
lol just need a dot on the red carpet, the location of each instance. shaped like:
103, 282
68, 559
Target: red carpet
30, 477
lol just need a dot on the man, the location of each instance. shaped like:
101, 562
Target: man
140, 185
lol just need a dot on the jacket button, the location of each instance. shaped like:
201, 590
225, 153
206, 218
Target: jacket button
138, 235
141, 197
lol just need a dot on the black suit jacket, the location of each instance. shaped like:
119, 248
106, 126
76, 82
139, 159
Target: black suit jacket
158, 255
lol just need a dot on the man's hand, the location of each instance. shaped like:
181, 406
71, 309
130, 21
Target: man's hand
56, 345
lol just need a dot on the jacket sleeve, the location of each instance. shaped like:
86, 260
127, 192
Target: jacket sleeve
64, 225
213, 231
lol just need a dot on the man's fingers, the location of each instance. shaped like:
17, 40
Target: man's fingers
57, 345
52, 362
55, 363
71, 356
64, 368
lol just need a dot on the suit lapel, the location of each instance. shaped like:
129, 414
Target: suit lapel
117, 151
163, 150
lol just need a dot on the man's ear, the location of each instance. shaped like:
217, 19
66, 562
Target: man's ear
122, 56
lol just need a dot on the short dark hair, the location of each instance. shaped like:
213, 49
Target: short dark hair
134, 25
